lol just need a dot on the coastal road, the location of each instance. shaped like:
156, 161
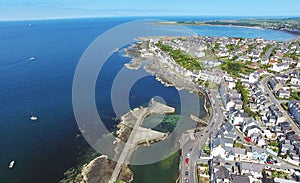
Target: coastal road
188, 144
200, 138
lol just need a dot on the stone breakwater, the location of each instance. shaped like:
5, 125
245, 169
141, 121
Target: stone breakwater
131, 132
103, 170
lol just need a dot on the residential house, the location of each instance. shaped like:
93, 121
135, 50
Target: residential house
253, 77
279, 180
280, 67
283, 93
218, 151
294, 138
238, 118
251, 168
282, 77
222, 175
275, 84
285, 147
240, 154
297, 147
258, 154
295, 83
294, 109
212, 63
240, 179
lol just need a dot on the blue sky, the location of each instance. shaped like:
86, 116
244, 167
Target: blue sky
44, 9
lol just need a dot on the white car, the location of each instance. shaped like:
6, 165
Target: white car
278, 163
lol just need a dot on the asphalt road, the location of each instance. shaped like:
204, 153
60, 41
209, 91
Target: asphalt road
268, 53
200, 139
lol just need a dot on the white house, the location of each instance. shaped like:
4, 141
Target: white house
253, 77
280, 67
295, 81
218, 151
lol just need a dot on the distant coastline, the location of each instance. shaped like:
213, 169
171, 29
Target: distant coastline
267, 24
205, 24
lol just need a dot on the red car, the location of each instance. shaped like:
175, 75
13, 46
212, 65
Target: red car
187, 160
247, 139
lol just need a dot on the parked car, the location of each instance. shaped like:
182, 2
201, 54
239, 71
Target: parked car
187, 160
186, 172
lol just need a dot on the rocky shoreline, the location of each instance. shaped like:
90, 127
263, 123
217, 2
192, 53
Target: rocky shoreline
100, 169
168, 77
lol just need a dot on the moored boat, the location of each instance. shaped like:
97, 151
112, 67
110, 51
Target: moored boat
11, 164
33, 118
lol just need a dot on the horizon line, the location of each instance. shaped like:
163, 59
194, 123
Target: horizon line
137, 16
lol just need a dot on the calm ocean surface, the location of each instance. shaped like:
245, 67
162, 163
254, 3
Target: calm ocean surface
44, 149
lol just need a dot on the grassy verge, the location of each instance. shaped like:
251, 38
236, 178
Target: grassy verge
245, 98
236, 144
181, 58
232, 68
294, 96
284, 106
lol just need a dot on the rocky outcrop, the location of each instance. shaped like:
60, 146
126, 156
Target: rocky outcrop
100, 170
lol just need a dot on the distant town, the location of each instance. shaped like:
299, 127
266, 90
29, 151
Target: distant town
291, 25
253, 86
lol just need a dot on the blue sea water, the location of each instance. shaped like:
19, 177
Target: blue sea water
243, 32
44, 149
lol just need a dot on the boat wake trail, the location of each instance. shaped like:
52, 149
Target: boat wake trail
19, 62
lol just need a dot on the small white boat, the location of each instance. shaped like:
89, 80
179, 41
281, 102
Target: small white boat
33, 118
31, 58
11, 164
